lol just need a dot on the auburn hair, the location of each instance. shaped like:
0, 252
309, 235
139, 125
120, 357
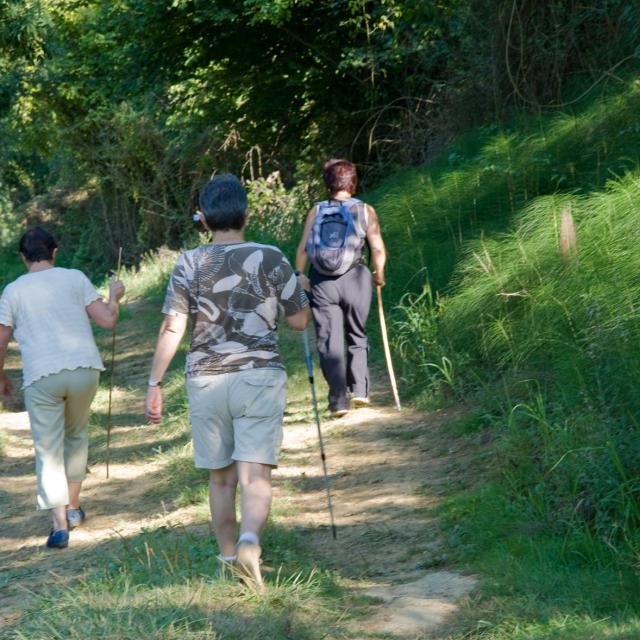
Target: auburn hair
340, 175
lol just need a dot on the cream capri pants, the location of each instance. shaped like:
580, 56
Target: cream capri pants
237, 416
59, 407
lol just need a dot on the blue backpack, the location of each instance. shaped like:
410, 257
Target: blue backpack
334, 244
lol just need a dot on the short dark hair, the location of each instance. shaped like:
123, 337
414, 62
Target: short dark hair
37, 244
340, 175
223, 201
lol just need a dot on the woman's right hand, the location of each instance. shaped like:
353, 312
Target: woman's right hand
153, 405
6, 387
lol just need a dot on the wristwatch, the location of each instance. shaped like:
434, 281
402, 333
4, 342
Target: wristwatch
154, 383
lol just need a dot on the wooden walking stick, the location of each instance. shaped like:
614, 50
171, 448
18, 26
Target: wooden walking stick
387, 351
113, 359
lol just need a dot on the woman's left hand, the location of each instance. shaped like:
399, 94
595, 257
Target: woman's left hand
116, 290
378, 279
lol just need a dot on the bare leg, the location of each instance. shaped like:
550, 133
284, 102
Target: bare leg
59, 515
222, 500
255, 483
74, 494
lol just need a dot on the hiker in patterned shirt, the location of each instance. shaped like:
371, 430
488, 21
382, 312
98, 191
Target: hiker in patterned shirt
233, 292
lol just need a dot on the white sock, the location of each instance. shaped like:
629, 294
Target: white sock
249, 536
226, 558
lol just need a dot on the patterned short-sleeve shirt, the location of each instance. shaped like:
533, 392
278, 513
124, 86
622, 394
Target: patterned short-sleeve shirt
233, 294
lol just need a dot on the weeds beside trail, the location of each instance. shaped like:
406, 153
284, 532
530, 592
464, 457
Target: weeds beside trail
517, 280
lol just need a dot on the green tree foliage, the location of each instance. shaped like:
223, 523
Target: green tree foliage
135, 102
23, 27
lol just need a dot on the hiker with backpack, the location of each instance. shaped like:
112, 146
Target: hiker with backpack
49, 311
340, 284
233, 292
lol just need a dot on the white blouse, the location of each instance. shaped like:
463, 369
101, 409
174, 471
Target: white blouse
47, 310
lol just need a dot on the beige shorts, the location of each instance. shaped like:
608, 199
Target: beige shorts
237, 416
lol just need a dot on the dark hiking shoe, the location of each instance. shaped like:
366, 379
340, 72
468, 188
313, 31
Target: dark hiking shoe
58, 539
75, 517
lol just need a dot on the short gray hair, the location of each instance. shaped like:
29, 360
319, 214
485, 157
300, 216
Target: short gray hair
223, 201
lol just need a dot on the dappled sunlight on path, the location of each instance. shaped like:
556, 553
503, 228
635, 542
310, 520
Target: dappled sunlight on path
384, 479
118, 508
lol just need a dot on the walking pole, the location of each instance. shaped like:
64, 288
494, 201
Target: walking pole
309, 361
387, 351
113, 358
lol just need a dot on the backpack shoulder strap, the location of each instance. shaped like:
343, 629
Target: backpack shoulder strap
319, 205
361, 218
365, 209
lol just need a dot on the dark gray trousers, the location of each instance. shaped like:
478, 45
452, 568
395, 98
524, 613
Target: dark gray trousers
340, 307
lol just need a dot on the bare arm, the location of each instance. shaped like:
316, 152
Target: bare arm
105, 314
301, 254
171, 333
6, 386
299, 320
376, 245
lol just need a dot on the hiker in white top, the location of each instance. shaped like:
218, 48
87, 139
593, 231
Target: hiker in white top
48, 311
341, 284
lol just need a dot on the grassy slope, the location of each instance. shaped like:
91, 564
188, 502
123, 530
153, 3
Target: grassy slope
479, 185
545, 348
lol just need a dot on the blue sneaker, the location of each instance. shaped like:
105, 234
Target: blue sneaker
75, 517
58, 539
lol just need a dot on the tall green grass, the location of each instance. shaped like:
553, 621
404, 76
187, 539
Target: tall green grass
495, 314
563, 337
479, 185
537, 585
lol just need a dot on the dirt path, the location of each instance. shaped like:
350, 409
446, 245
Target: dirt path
384, 478
387, 470
118, 509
